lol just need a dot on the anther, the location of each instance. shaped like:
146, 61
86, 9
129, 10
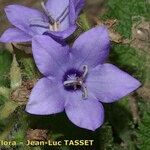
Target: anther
85, 92
70, 82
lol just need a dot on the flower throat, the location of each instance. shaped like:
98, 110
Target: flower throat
75, 80
54, 24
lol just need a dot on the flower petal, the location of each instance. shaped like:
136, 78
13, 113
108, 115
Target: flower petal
39, 26
15, 35
91, 48
61, 35
65, 12
56, 7
108, 83
88, 114
79, 4
56, 11
21, 16
51, 57
46, 98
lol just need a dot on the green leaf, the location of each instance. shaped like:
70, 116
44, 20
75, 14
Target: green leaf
83, 22
144, 128
5, 63
6, 130
105, 137
5, 92
26, 63
124, 11
127, 59
15, 74
29, 68
8, 108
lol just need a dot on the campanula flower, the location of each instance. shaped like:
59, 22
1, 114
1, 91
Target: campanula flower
57, 19
76, 79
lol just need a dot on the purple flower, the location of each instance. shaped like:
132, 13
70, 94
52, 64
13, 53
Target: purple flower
56, 20
76, 80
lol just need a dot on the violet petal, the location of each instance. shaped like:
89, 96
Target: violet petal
21, 16
88, 114
108, 83
56, 8
46, 98
60, 35
91, 48
79, 4
50, 57
15, 35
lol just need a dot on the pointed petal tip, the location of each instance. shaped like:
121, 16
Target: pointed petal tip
8, 8
94, 128
2, 40
114, 82
104, 29
44, 100
27, 110
14, 35
88, 114
137, 84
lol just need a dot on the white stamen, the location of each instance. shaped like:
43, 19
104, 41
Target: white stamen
70, 82
85, 92
50, 27
56, 26
51, 20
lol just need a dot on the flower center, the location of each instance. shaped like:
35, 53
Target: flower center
53, 24
75, 80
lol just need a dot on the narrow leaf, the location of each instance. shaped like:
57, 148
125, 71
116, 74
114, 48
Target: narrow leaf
15, 74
